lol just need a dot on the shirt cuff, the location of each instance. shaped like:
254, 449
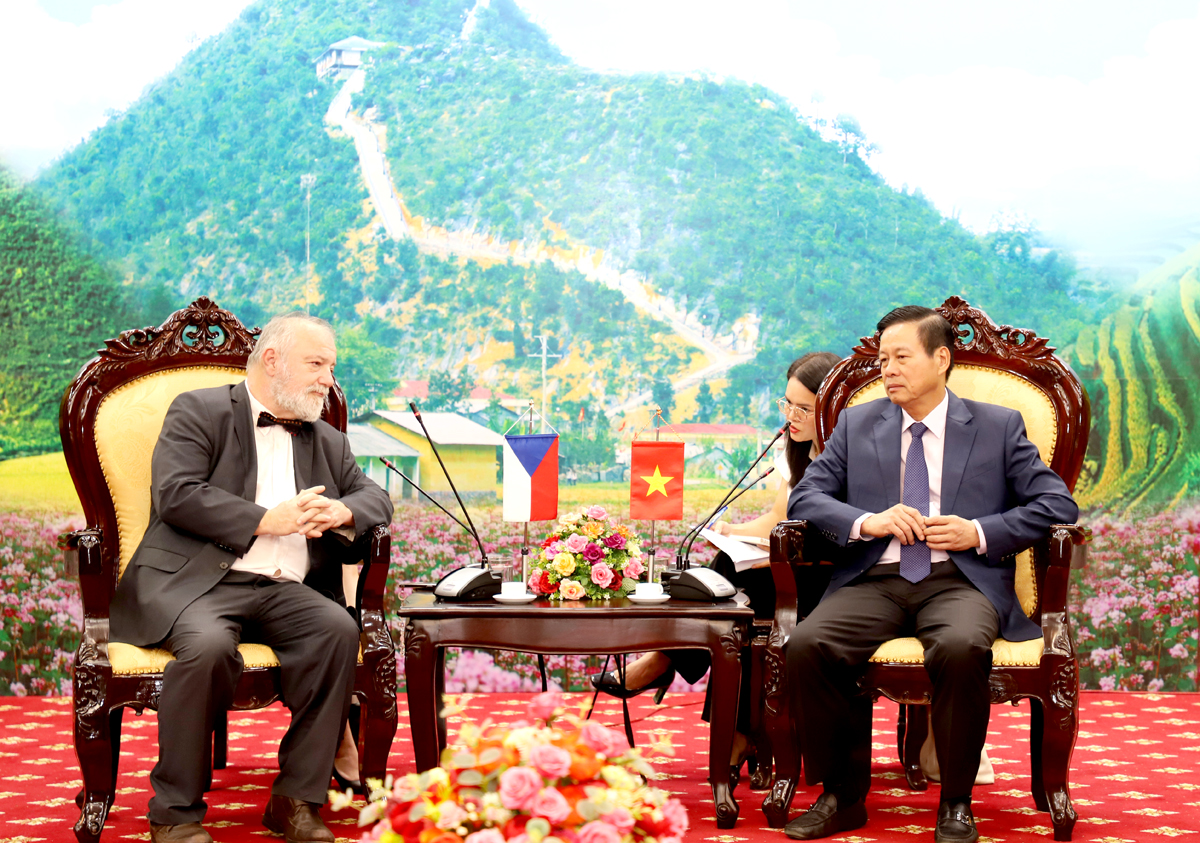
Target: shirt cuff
856, 528
349, 533
982, 549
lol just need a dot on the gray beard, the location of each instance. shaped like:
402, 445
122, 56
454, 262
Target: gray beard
305, 405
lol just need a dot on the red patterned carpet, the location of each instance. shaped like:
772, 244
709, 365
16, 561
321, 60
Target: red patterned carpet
1136, 773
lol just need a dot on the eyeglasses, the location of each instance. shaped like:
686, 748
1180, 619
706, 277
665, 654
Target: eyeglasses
789, 409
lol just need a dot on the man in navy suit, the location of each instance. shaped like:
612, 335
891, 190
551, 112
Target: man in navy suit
930, 496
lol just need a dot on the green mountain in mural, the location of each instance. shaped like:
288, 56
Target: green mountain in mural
524, 179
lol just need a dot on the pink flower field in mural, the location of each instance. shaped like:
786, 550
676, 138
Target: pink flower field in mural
1134, 605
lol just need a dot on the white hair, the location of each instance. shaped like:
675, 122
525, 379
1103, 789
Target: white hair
280, 334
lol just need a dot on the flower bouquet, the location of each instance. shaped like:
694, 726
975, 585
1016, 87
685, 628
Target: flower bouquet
588, 556
560, 780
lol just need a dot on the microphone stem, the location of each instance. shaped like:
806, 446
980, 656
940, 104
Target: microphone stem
410, 482
474, 533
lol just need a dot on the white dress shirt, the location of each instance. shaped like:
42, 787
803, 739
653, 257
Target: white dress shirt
934, 443
277, 557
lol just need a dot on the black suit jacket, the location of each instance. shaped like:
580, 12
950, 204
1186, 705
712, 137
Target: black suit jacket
203, 515
990, 472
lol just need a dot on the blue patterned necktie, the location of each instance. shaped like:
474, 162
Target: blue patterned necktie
915, 558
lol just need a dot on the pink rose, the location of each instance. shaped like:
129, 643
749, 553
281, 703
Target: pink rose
488, 835
576, 543
604, 740
519, 786
554, 762
599, 831
596, 513
616, 541
633, 568
593, 553
602, 575
543, 706
621, 819
549, 804
676, 816
557, 547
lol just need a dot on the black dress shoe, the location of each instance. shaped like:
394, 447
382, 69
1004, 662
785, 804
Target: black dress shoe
956, 824
826, 817
610, 683
353, 785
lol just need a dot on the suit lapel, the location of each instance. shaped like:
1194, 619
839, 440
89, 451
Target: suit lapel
887, 450
243, 430
960, 436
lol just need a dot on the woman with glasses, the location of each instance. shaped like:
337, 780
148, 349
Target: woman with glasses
657, 670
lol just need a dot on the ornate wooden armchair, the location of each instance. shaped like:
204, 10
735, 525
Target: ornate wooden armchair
109, 420
1014, 368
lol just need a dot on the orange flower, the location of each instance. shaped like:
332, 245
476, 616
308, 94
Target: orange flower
585, 764
573, 793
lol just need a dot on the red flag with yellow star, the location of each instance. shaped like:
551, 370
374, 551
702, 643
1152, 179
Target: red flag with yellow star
656, 481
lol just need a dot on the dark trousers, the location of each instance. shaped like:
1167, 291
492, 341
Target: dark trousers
827, 655
316, 642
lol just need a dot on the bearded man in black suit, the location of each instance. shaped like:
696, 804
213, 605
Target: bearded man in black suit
254, 501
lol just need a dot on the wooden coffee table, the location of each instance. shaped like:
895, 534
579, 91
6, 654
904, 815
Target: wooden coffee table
576, 628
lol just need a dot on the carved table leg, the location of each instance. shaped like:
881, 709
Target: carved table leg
726, 673
424, 702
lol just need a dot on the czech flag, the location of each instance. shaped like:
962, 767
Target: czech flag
656, 481
531, 477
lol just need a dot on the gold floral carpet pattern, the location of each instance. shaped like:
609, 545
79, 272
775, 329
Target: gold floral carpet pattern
1135, 772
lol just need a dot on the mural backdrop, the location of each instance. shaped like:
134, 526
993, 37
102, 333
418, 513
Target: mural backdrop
446, 186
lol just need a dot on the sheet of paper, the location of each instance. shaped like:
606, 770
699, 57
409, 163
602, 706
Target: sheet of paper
743, 555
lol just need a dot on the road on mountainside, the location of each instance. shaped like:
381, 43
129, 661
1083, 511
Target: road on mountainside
722, 353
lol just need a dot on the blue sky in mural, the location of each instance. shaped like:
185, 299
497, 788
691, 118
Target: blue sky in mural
1076, 115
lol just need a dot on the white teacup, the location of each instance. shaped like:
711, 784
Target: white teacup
648, 589
512, 589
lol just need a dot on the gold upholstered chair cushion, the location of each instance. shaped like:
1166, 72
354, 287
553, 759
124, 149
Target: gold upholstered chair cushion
979, 383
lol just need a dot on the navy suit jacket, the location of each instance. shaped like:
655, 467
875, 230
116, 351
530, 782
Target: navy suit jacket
990, 472
204, 475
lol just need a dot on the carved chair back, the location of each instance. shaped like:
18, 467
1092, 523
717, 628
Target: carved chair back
113, 411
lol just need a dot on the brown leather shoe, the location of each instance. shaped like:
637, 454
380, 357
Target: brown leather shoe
186, 833
296, 820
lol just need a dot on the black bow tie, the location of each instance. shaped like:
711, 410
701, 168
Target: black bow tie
292, 426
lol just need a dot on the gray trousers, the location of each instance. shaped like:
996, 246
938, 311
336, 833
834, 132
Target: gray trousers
827, 654
316, 642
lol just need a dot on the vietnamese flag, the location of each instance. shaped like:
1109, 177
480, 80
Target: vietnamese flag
656, 481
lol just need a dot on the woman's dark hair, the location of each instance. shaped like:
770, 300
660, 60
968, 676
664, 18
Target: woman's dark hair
810, 370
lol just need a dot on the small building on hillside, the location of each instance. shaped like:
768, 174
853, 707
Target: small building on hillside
471, 451
483, 406
342, 58
369, 443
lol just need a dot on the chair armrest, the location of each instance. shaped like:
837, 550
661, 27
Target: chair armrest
376, 557
787, 548
84, 554
1067, 550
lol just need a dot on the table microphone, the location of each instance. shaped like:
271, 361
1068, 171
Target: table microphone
681, 553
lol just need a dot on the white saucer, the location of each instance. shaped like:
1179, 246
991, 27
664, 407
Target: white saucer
524, 598
661, 598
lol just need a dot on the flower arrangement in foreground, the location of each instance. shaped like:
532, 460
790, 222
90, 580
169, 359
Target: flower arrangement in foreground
588, 556
559, 779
